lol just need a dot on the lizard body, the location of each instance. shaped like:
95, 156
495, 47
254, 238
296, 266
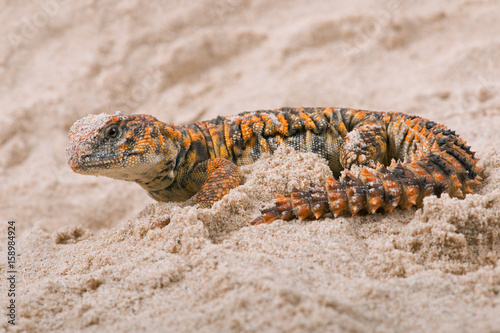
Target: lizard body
174, 163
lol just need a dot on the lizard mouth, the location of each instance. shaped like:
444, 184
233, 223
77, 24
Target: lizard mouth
83, 166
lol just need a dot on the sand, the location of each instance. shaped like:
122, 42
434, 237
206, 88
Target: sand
99, 255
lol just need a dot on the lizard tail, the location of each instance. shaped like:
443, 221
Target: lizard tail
400, 184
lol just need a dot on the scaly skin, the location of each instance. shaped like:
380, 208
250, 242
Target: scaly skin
174, 163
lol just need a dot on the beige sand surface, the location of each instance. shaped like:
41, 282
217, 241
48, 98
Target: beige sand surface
96, 254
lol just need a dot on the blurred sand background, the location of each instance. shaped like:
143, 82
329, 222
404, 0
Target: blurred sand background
95, 256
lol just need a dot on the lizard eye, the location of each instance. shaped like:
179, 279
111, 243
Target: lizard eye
113, 132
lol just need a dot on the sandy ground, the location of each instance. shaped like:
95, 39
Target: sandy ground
93, 254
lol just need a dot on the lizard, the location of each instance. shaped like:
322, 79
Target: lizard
402, 158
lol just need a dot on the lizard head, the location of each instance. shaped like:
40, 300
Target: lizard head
135, 148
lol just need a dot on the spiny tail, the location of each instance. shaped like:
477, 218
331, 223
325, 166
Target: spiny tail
401, 184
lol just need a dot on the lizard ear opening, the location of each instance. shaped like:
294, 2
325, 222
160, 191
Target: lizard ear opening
170, 131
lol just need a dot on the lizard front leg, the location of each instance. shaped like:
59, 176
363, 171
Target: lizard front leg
217, 176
